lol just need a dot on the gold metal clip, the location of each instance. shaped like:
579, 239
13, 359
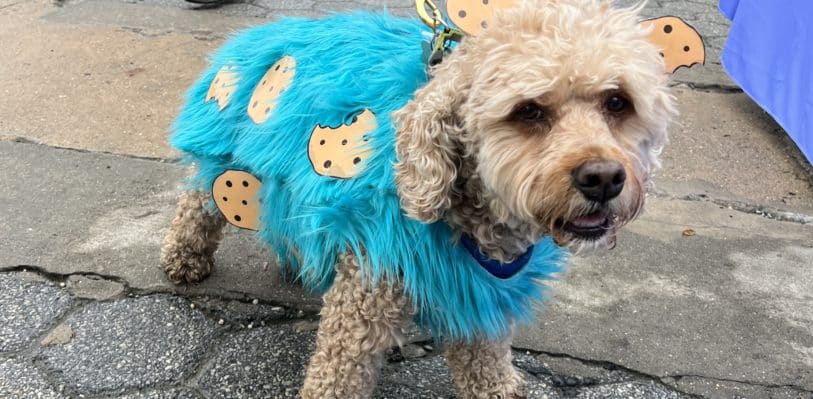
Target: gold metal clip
435, 20
444, 35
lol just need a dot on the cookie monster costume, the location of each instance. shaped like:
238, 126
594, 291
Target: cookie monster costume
346, 64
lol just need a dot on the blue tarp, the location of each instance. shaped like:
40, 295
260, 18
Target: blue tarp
769, 53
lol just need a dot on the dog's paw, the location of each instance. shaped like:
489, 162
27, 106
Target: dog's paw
187, 268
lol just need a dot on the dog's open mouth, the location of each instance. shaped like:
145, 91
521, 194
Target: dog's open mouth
591, 226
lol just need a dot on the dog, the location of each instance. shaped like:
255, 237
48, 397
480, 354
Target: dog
447, 194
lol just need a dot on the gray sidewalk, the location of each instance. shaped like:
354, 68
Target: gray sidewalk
86, 312
61, 339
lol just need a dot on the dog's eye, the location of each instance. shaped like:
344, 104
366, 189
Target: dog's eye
529, 113
616, 104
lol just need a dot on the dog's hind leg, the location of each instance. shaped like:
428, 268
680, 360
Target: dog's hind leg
483, 369
187, 254
358, 324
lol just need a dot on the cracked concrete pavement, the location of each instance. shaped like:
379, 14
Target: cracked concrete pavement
152, 345
89, 89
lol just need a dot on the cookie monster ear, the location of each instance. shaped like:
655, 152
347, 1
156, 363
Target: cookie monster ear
472, 16
681, 45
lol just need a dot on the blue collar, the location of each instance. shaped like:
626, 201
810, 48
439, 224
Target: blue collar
495, 268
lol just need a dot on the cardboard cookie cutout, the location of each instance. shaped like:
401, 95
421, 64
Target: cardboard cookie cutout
271, 86
472, 16
681, 45
222, 86
340, 152
235, 194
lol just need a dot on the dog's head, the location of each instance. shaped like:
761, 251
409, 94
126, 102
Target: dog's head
561, 105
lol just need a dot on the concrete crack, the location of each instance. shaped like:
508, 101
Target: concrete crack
62, 278
35, 352
146, 33
610, 366
798, 388
300, 310
662, 380
198, 34
23, 140
765, 211
709, 87
10, 5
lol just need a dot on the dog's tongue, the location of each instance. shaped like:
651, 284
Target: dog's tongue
592, 220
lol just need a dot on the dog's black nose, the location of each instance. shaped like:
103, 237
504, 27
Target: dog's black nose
600, 180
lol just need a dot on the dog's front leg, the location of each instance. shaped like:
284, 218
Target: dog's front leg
187, 254
483, 369
358, 324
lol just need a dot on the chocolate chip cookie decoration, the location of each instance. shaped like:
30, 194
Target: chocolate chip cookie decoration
340, 152
222, 86
235, 194
681, 45
472, 16
271, 86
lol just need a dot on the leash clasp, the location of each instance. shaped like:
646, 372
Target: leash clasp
444, 35
435, 20
442, 44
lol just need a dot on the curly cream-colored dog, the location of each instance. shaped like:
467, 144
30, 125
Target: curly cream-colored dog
446, 194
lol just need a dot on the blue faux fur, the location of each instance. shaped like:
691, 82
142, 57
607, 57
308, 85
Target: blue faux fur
346, 63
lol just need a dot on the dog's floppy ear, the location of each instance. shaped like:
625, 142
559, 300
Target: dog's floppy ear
426, 142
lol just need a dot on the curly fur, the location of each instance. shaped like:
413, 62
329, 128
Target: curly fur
483, 370
187, 253
359, 322
450, 158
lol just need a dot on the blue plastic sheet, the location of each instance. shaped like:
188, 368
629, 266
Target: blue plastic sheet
769, 53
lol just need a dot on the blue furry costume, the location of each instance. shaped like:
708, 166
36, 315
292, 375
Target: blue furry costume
344, 64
